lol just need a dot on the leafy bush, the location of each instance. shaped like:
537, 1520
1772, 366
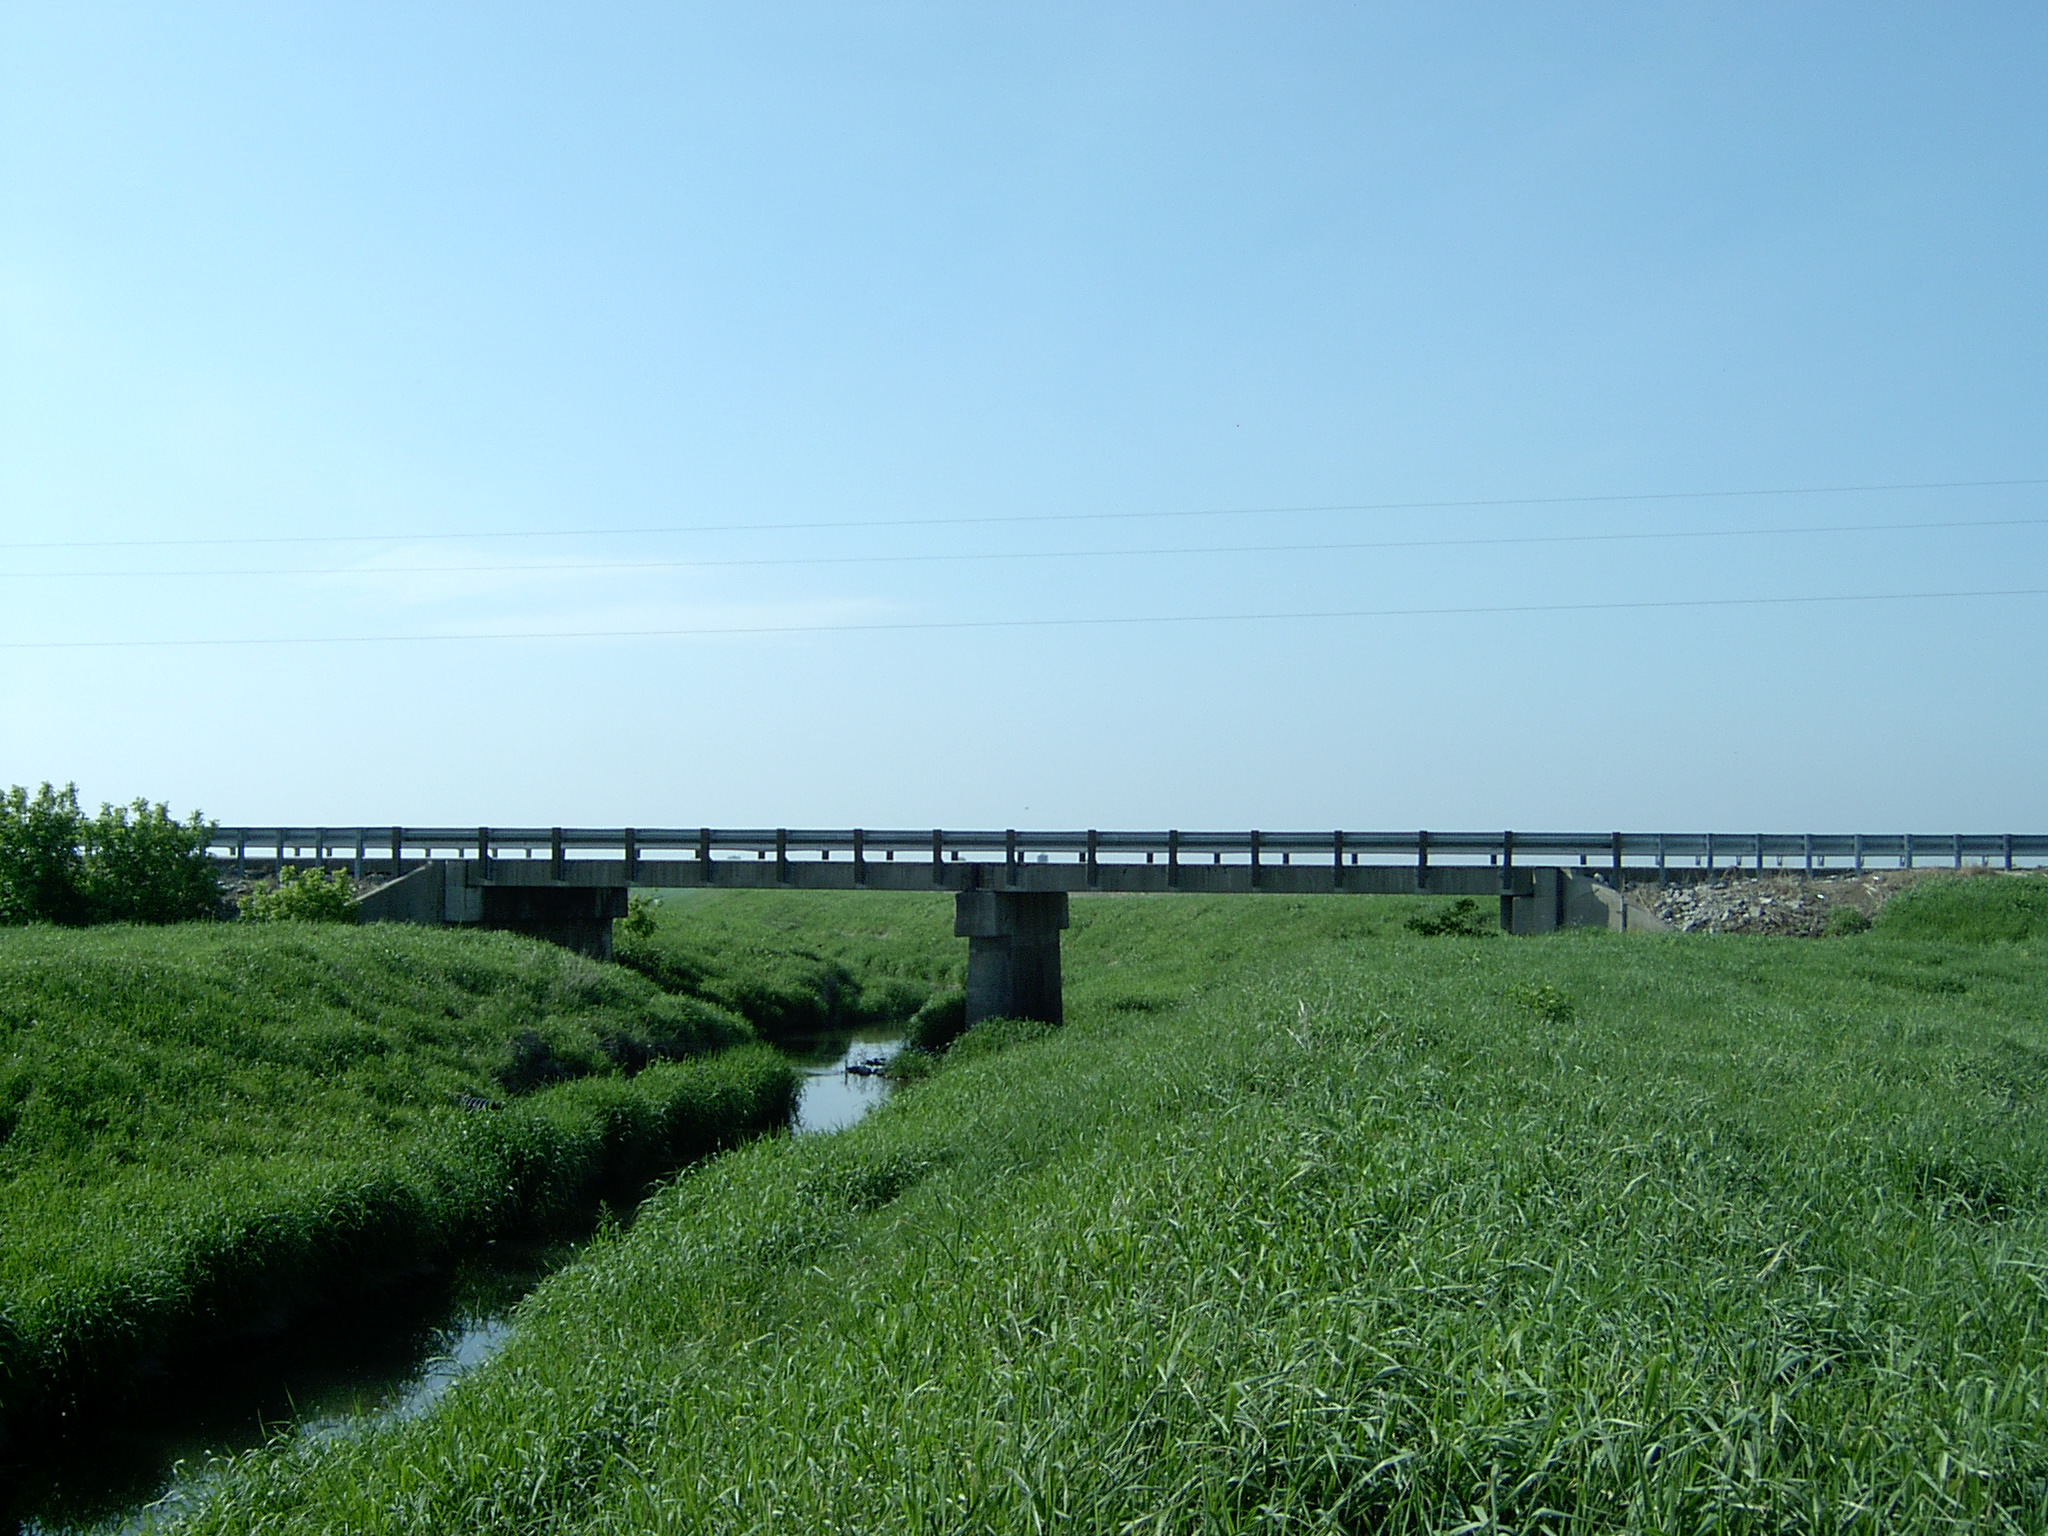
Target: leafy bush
1548, 1001
142, 865
637, 926
938, 1023
1847, 920
1462, 919
304, 896
41, 863
129, 864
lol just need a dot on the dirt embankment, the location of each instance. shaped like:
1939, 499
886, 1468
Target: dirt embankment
1788, 904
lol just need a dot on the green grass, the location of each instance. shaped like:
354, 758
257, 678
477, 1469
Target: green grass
1306, 1223
796, 963
205, 1123
1978, 909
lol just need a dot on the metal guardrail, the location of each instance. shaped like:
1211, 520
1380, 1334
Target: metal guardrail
1808, 851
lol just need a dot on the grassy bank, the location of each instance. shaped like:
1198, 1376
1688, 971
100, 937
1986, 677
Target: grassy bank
202, 1125
1307, 1223
795, 963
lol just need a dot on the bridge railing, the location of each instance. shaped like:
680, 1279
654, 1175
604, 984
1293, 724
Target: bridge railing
389, 846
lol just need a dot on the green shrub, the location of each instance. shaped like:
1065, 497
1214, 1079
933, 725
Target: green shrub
1548, 1001
129, 864
637, 926
938, 1023
304, 896
1462, 919
1980, 909
41, 863
142, 865
1847, 920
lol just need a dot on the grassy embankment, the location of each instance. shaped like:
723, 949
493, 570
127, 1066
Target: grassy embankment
201, 1125
792, 965
1306, 1223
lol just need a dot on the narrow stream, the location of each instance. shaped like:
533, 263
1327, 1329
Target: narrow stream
349, 1367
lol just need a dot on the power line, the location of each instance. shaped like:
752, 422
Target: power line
574, 567
1022, 517
1064, 623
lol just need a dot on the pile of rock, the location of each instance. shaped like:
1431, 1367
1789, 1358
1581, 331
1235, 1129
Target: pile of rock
1786, 904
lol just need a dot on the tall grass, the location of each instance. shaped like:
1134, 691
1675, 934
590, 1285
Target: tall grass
1981, 909
200, 1125
1305, 1223
797, 963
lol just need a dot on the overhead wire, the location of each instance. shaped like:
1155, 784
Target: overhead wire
1118, 620
1335, 547
1021, 517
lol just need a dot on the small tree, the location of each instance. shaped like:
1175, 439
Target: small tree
142, 865
41, 866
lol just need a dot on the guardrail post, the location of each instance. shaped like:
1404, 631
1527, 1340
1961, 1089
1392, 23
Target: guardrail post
1172, 859
1422, 861
362, 848
1094, 867
860, 857
1859, 853
1808, 844
1959, 850
2008, 850
1759, 853
1255, 861
1507, 882
1337, 860
1906, 851
630, 846
483, 851
1617, 876
938, 856
1010, 856
1710, 853
1663, 873
397, 849
558, 856
704, 872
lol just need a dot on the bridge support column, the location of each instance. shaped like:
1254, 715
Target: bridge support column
1013, 953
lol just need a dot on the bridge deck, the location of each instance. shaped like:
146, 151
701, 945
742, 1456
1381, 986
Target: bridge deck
1464, 863
900, 875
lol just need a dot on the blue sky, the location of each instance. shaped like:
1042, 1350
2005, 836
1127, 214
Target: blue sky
931, 337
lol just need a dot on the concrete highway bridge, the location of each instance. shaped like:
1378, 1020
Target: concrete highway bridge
1011, 887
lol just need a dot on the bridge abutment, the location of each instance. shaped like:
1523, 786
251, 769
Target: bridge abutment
1013, 953
575, 917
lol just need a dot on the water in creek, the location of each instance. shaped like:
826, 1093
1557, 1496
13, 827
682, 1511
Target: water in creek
342, 1368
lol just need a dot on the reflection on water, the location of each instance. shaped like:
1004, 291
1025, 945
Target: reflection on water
146, 1459
340, 1369
839, 1084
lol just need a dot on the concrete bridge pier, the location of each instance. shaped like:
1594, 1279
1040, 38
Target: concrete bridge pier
1013, 953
